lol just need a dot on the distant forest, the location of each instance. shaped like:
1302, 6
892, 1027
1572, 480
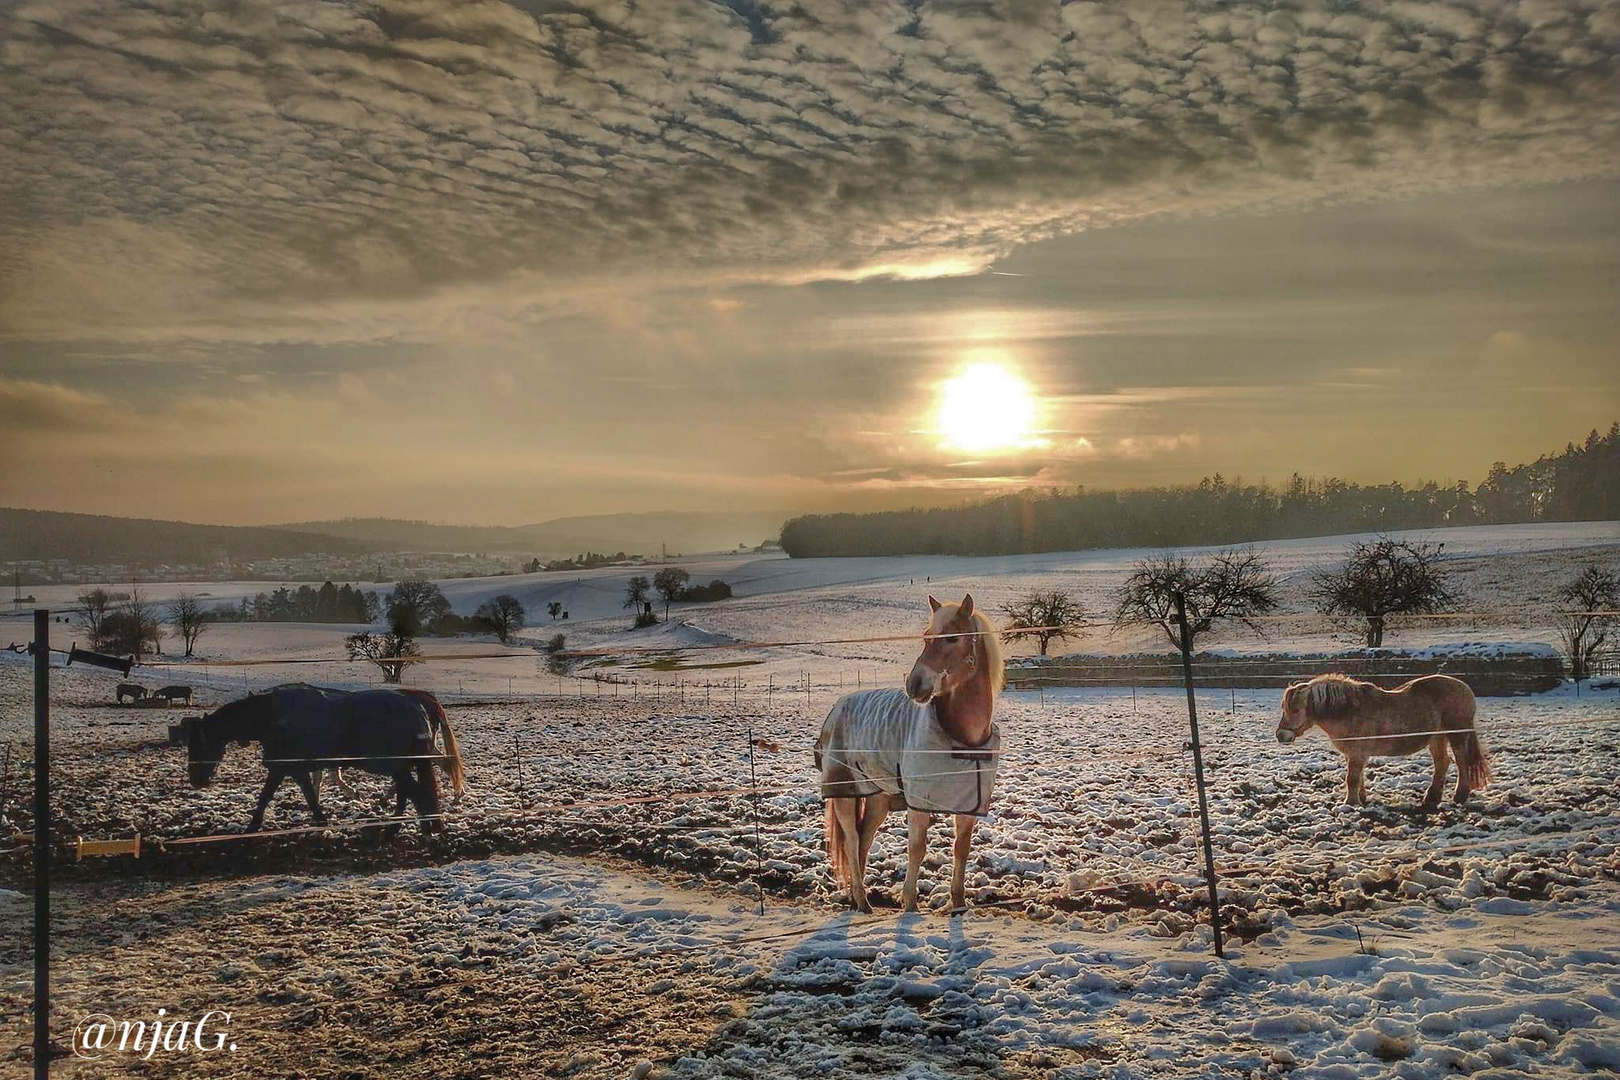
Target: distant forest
1580, 484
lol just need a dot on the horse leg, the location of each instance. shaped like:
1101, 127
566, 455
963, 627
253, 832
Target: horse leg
271, 782
1355, 780
402, 784
1442, 759
312, 795
427, 801
959, 853
917, 822
872, 815
849, 836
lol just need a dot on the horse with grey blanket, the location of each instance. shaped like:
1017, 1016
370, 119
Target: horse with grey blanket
930, 749
305, 729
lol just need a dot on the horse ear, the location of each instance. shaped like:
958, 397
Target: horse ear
967, 606
934, 605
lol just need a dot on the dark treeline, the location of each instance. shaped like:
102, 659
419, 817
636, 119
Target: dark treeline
1580, 484
329, 603
93, 538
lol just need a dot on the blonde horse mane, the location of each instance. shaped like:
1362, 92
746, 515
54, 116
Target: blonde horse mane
1331, 695
991, 640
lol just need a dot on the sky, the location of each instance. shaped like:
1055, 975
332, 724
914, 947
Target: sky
495, 263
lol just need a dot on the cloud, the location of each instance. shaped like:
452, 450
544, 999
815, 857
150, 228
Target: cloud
308, 172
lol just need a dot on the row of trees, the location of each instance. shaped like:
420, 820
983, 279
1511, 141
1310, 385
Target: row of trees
672, 584
1378, 579
128, 624
418, 607
1581, 483
329, 603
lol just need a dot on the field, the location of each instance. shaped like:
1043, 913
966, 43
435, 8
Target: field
552, 935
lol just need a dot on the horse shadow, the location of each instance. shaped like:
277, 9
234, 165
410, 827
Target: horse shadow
866, 995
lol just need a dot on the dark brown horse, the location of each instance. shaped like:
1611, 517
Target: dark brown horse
304, 729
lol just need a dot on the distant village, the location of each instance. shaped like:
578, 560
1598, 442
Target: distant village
317, 567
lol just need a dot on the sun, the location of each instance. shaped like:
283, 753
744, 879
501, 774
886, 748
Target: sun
986, 407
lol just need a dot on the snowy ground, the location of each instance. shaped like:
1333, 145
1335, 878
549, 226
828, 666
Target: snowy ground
1367, 942
558, 966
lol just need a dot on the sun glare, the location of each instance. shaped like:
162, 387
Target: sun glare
986, 407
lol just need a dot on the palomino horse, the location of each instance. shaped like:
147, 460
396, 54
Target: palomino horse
930, 749
1365, 721
304, 729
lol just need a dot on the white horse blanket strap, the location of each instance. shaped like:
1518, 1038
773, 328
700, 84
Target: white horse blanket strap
882, 741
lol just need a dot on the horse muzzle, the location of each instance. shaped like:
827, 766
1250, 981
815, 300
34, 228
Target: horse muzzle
923, 684
1285, 735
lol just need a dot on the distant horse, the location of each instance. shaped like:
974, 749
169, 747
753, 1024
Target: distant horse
172, 694
133, 691
931, 748
1363, 721
303, 729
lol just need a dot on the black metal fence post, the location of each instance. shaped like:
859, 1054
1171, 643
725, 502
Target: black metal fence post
1198, 772
42, 843
759, 851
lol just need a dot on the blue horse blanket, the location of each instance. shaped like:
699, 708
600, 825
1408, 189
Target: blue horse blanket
380, 731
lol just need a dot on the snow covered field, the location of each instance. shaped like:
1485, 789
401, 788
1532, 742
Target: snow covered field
1368, 942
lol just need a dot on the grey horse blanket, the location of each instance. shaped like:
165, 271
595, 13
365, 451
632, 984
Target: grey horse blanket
882, 741
384, 728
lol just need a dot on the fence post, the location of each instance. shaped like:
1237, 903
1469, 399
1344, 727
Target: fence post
517, 751
42, 843
1198, 771
759, 856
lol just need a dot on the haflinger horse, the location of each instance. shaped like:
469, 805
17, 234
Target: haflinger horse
305, 729
931, 748
1364, 721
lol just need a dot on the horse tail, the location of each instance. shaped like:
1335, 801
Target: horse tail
453, 766
835, 847
1472, 761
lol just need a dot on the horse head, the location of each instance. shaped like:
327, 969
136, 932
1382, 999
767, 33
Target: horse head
1296, 715
950, 652
204, 748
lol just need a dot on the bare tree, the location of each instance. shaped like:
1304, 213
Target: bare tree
133, 627
636, 592
94, 607
1382, 578
1048, 615
1234, 583
383, 650
670, 583
189, 619
504, 614
554, 609
1590, 594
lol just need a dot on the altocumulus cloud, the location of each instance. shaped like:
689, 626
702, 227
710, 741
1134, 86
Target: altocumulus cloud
320, 172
